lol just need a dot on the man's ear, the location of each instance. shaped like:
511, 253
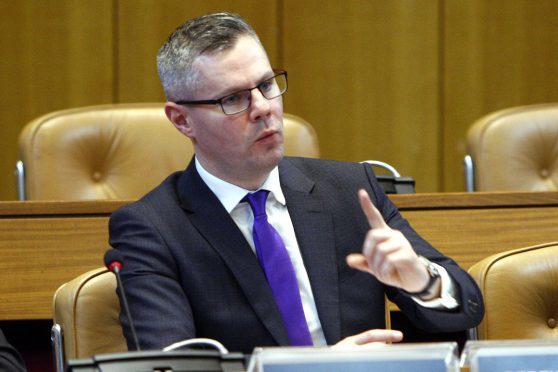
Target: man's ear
178, 116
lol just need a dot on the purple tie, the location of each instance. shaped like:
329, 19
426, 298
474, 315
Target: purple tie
279, 271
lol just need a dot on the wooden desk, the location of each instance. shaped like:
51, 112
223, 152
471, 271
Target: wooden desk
45, 244
471, 226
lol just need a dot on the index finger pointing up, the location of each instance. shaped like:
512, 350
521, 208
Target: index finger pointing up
372, 213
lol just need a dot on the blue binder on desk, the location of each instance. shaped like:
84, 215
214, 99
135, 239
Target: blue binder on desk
428, 357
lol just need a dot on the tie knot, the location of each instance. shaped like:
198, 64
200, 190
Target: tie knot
257, 201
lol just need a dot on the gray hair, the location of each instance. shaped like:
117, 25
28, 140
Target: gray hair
207, 34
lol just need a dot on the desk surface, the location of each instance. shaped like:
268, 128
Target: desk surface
45, 244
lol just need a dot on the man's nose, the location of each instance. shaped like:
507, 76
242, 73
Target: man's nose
260, 106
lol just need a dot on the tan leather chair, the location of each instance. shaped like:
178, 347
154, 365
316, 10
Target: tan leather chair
520, 289
85, 315
514, 149
115, 151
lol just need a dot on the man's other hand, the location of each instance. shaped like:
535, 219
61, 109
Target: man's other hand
371, 338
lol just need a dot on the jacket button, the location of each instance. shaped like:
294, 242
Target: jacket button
551, 323
473, 306
97, 176
472, 303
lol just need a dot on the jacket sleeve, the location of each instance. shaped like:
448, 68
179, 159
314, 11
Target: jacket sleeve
158, 305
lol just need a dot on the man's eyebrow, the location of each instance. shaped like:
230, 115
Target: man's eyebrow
234, 89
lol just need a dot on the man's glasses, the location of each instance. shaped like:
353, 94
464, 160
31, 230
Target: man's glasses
239, 101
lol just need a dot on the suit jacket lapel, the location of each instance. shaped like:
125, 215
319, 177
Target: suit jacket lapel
211, 219
313, 226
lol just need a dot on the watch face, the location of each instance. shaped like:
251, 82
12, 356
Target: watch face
431, 268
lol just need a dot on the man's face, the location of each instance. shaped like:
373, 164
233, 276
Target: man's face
243, 146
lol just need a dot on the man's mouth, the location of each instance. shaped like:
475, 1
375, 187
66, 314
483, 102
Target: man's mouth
268, 135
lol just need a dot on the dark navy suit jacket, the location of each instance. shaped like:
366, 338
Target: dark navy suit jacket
189, 272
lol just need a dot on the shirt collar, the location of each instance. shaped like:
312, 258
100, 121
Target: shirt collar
230, 195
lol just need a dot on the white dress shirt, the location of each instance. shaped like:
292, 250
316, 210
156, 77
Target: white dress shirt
278, 216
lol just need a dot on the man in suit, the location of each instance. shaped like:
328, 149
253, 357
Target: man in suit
194, 265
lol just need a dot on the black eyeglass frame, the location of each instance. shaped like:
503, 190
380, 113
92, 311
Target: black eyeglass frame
277, 72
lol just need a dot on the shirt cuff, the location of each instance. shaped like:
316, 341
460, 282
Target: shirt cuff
447, 298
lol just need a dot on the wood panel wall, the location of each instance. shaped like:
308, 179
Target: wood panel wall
365, 73
395, 80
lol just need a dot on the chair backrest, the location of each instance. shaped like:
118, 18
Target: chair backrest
514, 149
115, 151
87, 310
520, 290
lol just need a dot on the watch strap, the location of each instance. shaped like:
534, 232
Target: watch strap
434, 275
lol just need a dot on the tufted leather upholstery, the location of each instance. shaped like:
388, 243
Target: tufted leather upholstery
87, 309
116, 151
520, 289
516, 149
